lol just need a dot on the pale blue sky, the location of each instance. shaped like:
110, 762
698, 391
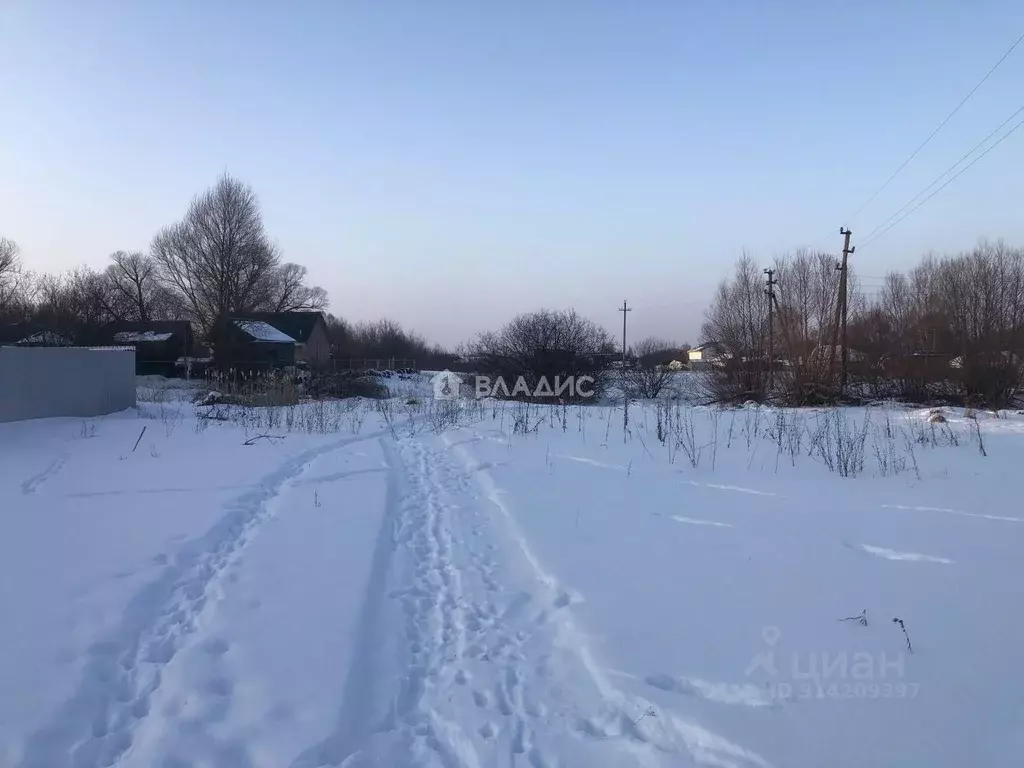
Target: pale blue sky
450, 163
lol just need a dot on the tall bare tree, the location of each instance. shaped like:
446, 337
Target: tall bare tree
219, 258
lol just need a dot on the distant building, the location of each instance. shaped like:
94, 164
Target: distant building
707, 355
307, 329
33, 335
158, 344
248, 344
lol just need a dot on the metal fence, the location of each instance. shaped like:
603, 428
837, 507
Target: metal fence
40, 382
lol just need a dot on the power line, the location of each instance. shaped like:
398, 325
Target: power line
942, 175
950, 180
939, 127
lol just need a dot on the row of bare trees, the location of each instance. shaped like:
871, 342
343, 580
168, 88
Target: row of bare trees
216, 261
384, 340
951, 329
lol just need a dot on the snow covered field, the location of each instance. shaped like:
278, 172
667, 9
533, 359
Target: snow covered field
470, 585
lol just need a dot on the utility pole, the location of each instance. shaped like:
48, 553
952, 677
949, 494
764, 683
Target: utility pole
841, 314
769, 291
624, 309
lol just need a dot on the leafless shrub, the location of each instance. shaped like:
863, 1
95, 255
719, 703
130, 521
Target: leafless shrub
526, 418
545, 346
443, 415
840, 443
686, 438
976, 427
386, 410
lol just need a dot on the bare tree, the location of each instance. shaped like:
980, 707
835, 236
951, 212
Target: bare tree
8, 257
736, 322
76, 303
15, 283
384, 340
650, 375
218, 259
544, 344
136, 293
289, 292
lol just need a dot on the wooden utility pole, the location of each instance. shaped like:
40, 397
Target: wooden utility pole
770, 293
624, 309
841, 315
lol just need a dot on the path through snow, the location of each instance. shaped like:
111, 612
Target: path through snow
463, 651
472, 599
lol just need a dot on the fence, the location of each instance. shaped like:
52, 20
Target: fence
40, 382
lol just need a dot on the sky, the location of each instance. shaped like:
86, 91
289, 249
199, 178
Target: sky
452, 163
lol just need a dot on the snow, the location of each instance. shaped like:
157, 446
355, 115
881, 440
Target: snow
263, 332
140, 337
44, 338
451, 583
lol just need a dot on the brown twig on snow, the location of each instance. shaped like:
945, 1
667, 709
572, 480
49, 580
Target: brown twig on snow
904, 628
861, 619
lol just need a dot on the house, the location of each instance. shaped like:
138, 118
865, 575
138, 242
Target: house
707, 355
33, 335
307, 329
248, 344
158, 343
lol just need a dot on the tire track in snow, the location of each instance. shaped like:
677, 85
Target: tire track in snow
493, 670
96, 725
436, 623
415, 553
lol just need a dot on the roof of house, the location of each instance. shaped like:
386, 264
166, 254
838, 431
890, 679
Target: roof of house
708, 346
141, 337
260, 331
44, 339
32, 334
296, 325
142, 331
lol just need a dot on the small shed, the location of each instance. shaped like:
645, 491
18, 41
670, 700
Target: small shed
158, 343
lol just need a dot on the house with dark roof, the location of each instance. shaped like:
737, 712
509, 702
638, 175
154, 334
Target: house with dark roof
33, 335
307, 329
158, 343
246, 344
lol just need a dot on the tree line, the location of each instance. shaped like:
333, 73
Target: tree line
216, 261
219, 260
950, 329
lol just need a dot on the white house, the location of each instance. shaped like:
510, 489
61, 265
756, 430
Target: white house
707, 355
